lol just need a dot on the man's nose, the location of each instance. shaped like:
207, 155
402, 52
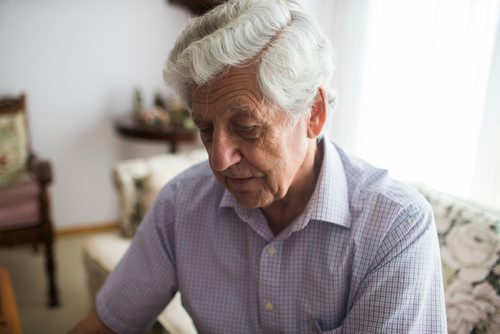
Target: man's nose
225, 151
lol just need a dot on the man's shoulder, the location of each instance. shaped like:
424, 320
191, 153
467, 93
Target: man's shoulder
385, 212
392, 191
368, 182
374, 188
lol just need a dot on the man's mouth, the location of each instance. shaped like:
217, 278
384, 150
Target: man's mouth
239, 180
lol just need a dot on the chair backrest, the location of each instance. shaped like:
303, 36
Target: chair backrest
14, 139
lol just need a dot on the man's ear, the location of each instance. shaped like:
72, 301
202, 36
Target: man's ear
317, 117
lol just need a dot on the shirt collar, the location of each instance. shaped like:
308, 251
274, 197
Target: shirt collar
253, 217
329, 201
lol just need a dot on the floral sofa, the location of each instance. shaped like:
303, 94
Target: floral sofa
469, 236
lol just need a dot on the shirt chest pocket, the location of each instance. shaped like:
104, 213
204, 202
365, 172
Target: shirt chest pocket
324, 307
322, 328
323, 314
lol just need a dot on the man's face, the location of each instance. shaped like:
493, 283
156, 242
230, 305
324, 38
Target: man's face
255, 150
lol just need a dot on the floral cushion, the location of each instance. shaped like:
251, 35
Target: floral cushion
161, 170
138, 182
13, 147
129, 179
470, 248
139, 208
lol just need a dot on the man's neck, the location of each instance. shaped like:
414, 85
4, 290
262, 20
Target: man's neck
283, 212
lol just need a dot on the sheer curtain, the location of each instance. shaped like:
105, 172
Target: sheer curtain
418, 94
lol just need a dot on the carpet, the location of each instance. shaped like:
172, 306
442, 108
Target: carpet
29, 282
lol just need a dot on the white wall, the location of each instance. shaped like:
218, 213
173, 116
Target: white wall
345, 24
79, 61
486, 182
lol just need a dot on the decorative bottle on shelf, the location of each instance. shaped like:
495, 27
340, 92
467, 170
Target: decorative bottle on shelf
159, 101
138, 105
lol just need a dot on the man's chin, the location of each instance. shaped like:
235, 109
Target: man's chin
250, 200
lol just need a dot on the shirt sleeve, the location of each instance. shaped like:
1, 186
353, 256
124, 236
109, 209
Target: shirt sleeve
403, 290
144, 281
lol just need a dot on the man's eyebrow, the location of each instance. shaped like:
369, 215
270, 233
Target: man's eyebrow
239, 108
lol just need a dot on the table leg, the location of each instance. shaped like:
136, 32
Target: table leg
173, 147
9, 318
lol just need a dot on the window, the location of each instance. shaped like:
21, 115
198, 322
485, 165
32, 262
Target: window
425, 85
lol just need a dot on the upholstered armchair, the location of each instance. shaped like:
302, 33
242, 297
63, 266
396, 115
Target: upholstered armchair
25, 215
137, 182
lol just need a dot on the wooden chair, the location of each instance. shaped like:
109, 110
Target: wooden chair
25, 215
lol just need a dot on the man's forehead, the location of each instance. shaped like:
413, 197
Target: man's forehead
237, 93
234, 92
236, 107
234, 99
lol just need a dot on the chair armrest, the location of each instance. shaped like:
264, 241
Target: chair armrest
41, 169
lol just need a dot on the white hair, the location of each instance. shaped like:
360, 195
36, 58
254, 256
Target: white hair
295, 57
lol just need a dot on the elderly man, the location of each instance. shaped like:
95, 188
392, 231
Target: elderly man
281, 231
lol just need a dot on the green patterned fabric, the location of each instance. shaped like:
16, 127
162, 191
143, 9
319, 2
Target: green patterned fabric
139, 210
138, 182
13, 147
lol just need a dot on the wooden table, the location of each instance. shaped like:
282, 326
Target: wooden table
127, 126
9, 318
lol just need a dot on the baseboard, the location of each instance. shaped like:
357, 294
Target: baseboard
91, 228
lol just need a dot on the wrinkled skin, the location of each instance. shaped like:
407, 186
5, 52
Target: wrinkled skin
261, 155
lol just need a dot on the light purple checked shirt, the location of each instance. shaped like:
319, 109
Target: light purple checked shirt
363, 258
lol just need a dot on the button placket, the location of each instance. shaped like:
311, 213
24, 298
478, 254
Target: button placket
269, 285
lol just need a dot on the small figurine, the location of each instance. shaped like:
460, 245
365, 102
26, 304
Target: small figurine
156, 116
180, 115
138, 104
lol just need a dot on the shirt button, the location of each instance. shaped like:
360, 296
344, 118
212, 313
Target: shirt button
269, 306
271, 250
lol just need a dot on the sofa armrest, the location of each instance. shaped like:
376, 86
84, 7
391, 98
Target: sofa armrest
469, 238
